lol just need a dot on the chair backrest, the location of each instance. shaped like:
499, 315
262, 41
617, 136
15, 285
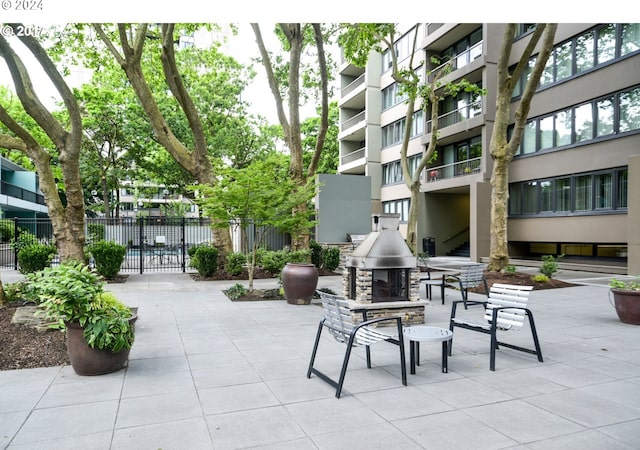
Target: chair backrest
337, 315
505, 295
471, 275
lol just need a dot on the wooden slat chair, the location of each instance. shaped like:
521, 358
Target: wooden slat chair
337, 319
504, 310
471, 276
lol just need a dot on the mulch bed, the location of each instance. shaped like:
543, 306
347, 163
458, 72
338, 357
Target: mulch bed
519, 279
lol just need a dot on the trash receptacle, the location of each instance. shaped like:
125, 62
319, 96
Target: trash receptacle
429, 246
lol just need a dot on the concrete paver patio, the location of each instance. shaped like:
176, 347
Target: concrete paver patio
208, 373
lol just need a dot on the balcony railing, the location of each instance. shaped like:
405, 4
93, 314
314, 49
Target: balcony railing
352, 121
457, 169
353, 156
463, 59
12, 190
351, 86
459, 115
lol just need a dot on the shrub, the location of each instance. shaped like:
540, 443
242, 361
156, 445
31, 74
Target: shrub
235, 263
21, 292
109, 327
510, 269
95, 232
205, 260
331, 258
316, 253
540, 278
236, 291
108, 256
6, 230
24, 238
35, 257
273, 261
549, 265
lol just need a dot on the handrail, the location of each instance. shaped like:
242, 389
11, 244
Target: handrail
457, 233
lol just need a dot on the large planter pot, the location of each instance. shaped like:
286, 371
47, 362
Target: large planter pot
299, 282
90, 361
627, 304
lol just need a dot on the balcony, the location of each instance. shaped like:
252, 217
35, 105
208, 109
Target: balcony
459, 115
463, 59
11, 190
453, 170
353, 156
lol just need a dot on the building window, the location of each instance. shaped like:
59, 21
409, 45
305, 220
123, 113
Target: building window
393, 133
402, 47
597, 46
630, 38
392, 172
617, 113
593, 193
397, 207
629, 110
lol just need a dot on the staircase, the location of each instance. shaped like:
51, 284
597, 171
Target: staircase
463, 249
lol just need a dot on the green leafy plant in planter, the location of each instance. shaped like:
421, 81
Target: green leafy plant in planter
626, 299
100, 328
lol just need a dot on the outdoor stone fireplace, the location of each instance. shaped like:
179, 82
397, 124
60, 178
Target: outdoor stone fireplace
381, 276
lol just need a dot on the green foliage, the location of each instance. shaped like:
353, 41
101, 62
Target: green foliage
95, 232
71, 292
235, 263
236, 291
21, 292
108, 256
205, 260
34, 257
510, 269
628, 285
6, 230
316, 253
274, 261
331, 258
549, 265
540, 278
24, 238
326, 258
67, 292
109, 327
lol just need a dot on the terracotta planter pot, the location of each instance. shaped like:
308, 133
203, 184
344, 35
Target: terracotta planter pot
90, 361
299, 282
627, 304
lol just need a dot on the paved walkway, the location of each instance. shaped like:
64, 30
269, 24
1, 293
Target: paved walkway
208, 373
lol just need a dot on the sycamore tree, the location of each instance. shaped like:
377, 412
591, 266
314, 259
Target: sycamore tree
60, 147
186, 140
359, 40
503, 146
261, 194
288, 81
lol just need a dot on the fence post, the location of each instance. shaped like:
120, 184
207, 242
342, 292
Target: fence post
15, 242
141, 243
183, 244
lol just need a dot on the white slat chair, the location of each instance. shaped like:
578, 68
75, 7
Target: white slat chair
337, 319
471, 275
505, 309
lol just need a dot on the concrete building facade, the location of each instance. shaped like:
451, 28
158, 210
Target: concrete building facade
575, 181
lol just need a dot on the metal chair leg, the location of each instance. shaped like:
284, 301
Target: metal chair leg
315, 348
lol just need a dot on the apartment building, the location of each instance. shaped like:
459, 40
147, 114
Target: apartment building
20, 194
575, 181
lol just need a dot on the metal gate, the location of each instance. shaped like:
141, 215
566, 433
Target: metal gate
154, 244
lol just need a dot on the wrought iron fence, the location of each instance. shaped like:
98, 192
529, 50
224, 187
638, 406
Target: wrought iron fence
153, 244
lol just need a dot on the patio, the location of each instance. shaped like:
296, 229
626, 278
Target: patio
208, 373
